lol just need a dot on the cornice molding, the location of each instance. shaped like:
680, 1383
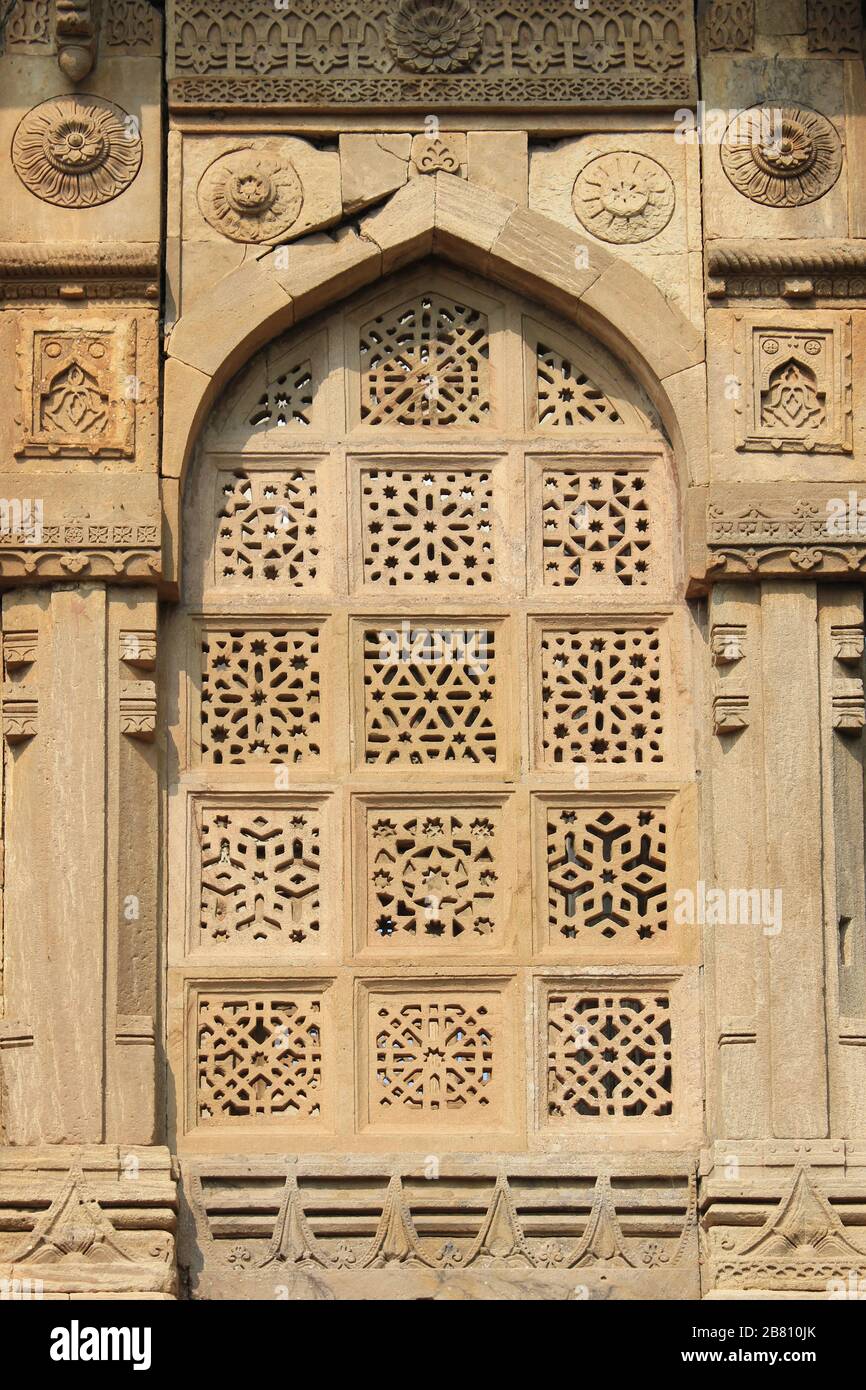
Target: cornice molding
786, 270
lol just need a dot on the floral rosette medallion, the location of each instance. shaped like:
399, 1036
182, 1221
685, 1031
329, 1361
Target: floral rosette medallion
251, 195
77, 151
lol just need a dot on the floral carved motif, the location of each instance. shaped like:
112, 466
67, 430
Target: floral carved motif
77, 151
434, 35
782, 156
77, 389
251, 195
623, 197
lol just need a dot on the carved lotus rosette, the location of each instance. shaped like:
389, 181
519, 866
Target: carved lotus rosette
434, 35
782, 156
251, 195
623, 197
77, 151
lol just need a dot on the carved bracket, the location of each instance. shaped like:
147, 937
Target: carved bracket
138, 709
20, 714
847, 698
75, 29
730, 707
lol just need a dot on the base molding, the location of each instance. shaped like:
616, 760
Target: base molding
89, 1221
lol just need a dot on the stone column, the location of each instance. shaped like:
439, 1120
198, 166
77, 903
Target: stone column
87, 1199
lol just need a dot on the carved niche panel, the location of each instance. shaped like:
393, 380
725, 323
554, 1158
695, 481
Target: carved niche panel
797, 395
77, 388
428, 52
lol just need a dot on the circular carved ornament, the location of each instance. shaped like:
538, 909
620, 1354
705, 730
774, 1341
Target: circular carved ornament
433, 35
623, 197
782, 156
77, 151
251, 195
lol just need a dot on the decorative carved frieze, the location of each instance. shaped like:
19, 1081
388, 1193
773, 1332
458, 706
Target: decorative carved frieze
802, 1247
835, 27
785, 538
73, 271
77, 151
729, 26
102, 1227
482, 1222
426, 53
127, 551
793, 270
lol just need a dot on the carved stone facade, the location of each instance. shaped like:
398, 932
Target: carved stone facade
432, 551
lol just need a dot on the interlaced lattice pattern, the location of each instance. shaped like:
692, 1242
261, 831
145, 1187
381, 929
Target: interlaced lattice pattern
609, 1054
425, 526
601, 696
426, 363
433, 876
287, 401
267, 529
260, 696
566, 395
259, 1057
259, 876
606, 874
429, 695
432, 1055
596, 528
